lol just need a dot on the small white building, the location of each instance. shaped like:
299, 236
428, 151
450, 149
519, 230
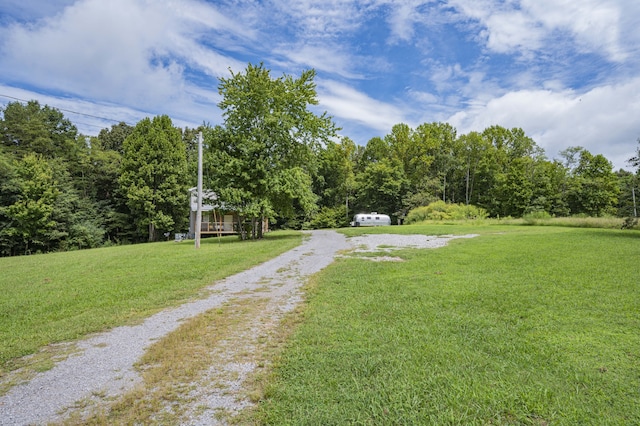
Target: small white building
217, 219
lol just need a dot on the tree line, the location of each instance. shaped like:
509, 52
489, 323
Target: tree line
272, 157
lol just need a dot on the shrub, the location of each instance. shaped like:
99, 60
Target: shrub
534, 218
330, 218
440, 210
630, 223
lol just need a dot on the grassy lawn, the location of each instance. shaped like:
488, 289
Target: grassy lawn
64, 296
521, 325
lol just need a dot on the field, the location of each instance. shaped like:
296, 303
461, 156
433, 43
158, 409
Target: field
59, 297
533, 325
520, 325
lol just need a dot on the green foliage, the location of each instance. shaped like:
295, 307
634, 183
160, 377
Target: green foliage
335, 180
440, 210
261, 162
83, 175
113, 139
536, 217
380, 187
630, 223
153, 177
28, 219
31, 128
274, 158
593, 187
327, 217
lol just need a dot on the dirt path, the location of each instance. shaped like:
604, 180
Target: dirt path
103, 368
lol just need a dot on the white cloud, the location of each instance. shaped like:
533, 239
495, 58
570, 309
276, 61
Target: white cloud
120, 51
527, 26
346, 103
595, 24
597, 119
402, 20
424, 98
321, 57
325, 19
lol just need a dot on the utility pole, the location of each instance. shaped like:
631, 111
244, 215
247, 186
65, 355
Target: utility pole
633, 195
199, 211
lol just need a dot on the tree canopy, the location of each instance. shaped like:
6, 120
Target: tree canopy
275, 157
153, 176
262, 159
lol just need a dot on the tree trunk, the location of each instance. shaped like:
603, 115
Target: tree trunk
253, 228
466, 192
241, 231
444, 188
260, 227
152, 232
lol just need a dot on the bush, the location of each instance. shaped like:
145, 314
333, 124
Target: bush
84, 235
630, 223
330, 218
440, 210
534, 217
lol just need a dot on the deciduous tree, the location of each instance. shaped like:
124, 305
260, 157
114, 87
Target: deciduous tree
153, 176
27, 220
263, 158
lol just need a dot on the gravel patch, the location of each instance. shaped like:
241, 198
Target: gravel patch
390, 242
103, 367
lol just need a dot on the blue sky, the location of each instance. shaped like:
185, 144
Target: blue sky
565, 71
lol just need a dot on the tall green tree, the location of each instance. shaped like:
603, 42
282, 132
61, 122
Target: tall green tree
473, 150
380, 188
595, 188
335, 181
153, 176
629, 197
31, 193
113, 139
32, 128
375, 150
265, 155
434, 156
511, 167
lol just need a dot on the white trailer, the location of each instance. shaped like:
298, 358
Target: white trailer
371, 219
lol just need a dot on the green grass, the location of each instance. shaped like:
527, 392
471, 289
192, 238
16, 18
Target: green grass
521, 325
59, 297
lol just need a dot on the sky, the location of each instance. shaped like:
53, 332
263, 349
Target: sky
565, 71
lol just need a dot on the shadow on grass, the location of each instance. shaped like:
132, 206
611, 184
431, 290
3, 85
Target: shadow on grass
270, 236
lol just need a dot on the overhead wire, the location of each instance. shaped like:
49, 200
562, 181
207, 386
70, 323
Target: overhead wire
73, 112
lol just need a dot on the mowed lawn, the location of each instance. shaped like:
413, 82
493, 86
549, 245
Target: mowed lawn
521, 325
59, 297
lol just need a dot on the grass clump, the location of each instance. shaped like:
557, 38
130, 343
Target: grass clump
440, 210
59, 297
529, 325
544, 219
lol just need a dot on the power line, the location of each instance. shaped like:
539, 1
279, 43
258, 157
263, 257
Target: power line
72, 112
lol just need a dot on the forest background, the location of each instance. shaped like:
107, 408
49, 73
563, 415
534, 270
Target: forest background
274, 158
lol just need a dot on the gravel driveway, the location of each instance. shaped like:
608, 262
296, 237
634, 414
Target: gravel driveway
104, 365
